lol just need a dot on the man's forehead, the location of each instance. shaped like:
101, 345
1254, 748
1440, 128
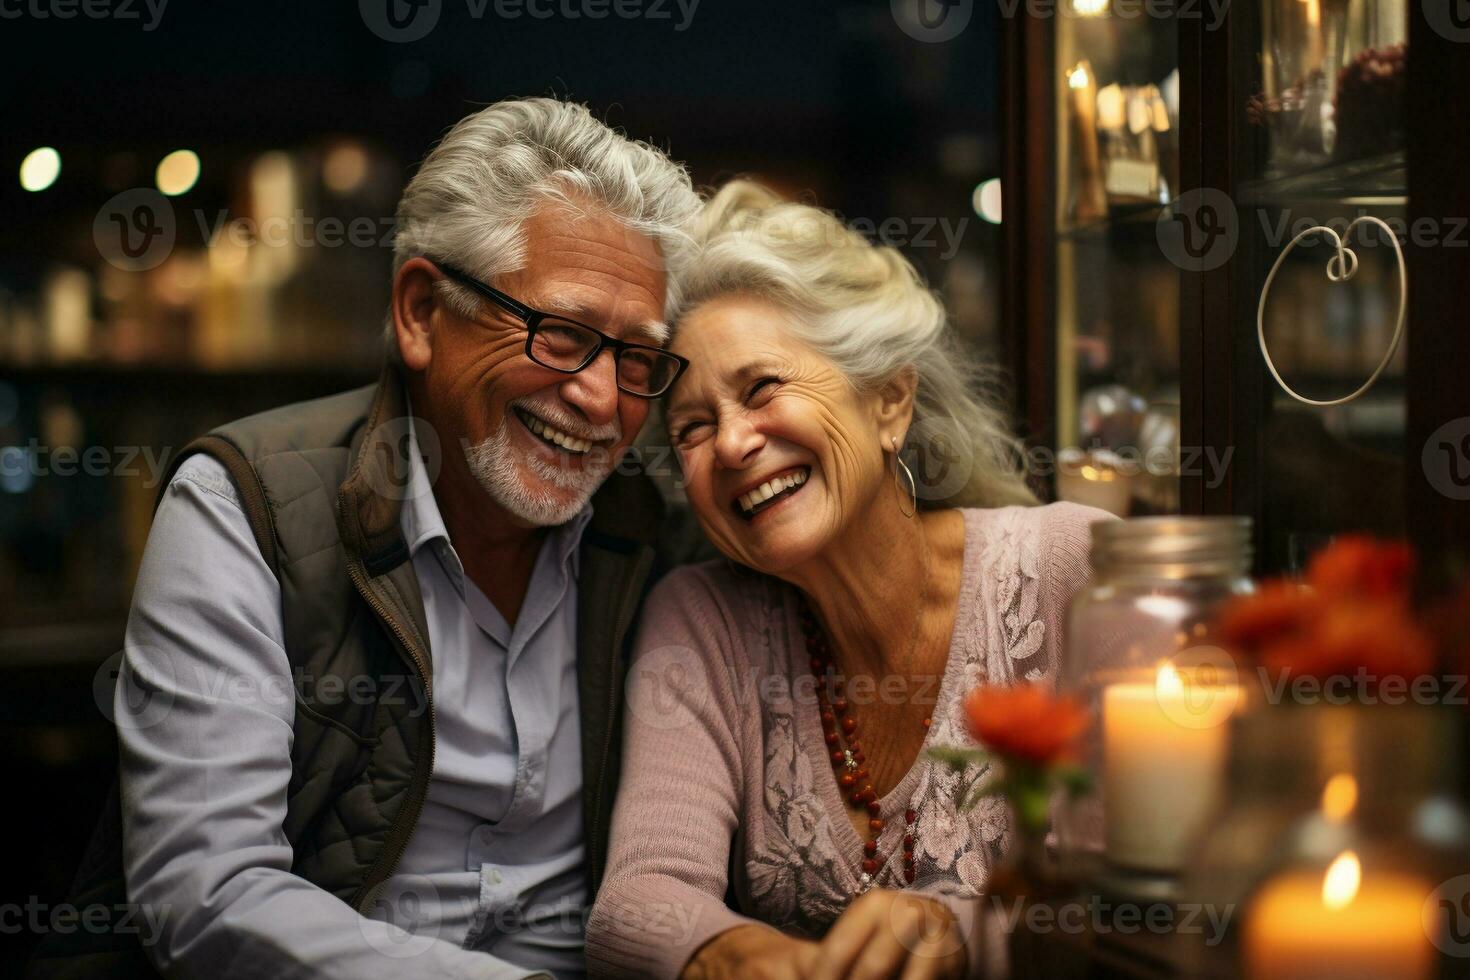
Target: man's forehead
593, 268
592, 237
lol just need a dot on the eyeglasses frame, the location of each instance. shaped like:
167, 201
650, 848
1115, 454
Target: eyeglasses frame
533, 318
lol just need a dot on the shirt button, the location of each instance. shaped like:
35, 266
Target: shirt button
495, 877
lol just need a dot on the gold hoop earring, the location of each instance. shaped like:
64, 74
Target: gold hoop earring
913, 491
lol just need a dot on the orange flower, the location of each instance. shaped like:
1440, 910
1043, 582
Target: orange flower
1356, 565
1275, 610
1025, 722
1355, 615
1377, 637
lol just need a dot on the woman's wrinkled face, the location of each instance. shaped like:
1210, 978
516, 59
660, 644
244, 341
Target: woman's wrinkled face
780, 453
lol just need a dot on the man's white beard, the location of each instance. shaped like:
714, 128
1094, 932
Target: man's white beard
496, 466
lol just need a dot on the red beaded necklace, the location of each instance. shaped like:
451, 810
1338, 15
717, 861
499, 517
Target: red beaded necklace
848, 761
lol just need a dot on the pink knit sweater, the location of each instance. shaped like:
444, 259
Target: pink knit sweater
725, 769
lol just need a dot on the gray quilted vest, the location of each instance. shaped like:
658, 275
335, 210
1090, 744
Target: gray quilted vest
321, 483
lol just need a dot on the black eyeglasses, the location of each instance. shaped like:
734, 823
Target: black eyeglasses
568, 346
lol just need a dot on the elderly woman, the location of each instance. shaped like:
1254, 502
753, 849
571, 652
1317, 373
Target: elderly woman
782, 700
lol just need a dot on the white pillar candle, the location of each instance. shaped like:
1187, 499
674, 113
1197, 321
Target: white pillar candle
1164, 749
1304, 925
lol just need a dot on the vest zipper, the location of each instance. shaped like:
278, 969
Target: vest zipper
408, 815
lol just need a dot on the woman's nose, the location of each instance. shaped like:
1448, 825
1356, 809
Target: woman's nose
737, 442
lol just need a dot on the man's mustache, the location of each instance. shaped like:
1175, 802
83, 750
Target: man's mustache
559, 418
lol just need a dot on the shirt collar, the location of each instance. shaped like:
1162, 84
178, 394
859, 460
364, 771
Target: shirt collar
421, 520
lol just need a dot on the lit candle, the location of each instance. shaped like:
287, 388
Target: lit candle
1163, 764
1091, 203
1305, 925
1090, 479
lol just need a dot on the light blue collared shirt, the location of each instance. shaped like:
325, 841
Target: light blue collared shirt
492, 884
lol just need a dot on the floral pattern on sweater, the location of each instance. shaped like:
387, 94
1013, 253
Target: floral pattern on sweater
802, 871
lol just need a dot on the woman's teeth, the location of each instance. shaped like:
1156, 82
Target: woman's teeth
750, 501
565, 440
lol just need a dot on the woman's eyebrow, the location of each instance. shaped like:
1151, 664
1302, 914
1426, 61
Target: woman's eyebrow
737, 378
752, 371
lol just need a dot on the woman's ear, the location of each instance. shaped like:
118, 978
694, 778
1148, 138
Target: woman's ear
896, 406
414, 305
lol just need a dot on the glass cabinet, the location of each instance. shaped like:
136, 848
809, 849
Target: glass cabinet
1221, 208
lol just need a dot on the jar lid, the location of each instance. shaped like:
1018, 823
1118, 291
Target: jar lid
1175, 546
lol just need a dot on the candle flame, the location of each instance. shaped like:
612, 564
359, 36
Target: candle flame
1077, 77
1339, 797
1340, 884
1169, 683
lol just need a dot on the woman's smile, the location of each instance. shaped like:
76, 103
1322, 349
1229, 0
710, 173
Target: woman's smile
763, 495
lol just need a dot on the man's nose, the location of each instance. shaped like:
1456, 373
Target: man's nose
594, 389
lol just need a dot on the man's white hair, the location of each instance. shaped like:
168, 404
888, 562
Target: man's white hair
469, 201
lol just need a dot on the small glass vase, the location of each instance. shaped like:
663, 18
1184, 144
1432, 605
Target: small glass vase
1027, 871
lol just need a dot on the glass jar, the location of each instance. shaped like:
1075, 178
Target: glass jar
1343, 850
1141, 656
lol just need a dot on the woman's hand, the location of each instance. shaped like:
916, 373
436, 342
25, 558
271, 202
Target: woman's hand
756, 952
892, 934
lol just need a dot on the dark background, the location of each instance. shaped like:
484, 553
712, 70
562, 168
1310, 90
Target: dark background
832, 100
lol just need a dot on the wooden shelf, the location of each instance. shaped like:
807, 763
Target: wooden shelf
84, 373
1122, 220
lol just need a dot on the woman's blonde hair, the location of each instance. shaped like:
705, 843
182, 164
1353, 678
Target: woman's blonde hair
866, 309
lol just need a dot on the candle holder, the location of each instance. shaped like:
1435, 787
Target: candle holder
1344, 849
1142, 658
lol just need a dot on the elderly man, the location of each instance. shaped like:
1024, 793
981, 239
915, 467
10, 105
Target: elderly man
371, 693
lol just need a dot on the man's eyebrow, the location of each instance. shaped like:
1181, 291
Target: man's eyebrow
567, 306
654, 332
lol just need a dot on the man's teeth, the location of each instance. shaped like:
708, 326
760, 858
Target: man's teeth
564, 440
769, 489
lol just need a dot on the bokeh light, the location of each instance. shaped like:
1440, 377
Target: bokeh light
178, 172
40, 169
